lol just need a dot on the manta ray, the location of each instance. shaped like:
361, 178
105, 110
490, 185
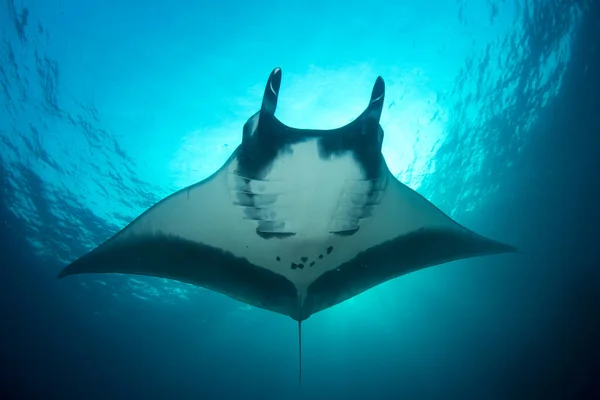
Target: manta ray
295, 221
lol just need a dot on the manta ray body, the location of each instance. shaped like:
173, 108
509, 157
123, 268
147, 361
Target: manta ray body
295, 221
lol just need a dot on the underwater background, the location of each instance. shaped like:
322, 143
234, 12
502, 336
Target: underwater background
492, 112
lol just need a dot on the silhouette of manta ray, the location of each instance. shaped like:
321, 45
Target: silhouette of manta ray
296, 220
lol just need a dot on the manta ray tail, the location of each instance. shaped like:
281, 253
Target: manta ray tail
300, 352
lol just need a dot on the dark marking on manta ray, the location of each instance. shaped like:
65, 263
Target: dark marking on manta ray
329, 249
320, 256
348, 232
278, 258
312, 263
304, 259
265, 138
277, 235
293, 265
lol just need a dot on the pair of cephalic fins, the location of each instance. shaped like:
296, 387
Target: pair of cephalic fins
295, 221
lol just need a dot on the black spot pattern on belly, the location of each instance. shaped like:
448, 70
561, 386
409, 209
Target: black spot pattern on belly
293, 265
304, 260
278, 258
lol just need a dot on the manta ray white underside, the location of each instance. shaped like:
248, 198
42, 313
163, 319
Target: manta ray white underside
294, 222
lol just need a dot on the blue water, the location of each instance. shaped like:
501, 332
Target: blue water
491, 113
